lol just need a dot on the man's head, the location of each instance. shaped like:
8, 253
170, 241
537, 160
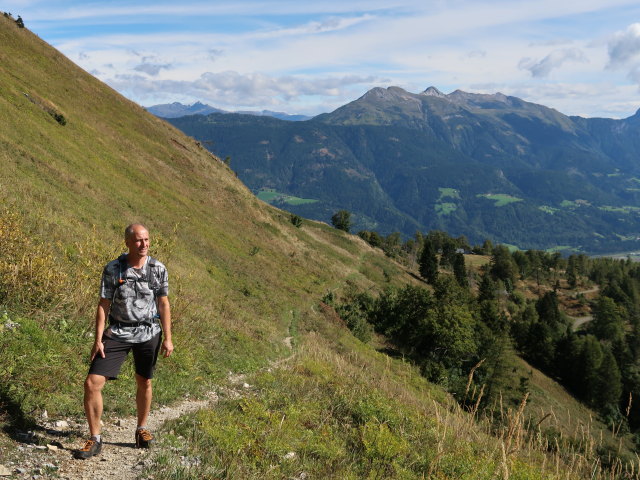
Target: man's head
136, 237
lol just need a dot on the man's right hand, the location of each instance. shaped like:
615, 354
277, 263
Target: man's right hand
98, 348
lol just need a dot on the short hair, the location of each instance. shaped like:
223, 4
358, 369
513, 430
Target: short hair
129, 230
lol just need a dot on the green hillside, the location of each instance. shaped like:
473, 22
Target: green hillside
79, 162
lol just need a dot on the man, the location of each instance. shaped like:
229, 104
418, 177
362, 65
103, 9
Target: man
133, 296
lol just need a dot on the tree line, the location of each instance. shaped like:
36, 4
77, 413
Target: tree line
461, 319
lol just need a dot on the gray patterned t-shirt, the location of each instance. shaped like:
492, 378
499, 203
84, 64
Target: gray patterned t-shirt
134, 300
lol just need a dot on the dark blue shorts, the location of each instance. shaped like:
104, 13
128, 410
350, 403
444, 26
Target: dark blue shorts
145, 355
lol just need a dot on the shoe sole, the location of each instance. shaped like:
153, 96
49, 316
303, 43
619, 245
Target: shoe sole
79, 455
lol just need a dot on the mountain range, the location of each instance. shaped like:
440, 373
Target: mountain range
487, 166
177, 109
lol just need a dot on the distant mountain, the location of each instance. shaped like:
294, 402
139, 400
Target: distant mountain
177, 109
279, 115
484, 166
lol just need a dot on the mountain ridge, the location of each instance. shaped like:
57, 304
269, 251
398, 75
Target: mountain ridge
575, 177
177, 109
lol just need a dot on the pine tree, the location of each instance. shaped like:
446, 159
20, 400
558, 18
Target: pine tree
487, 288
572, 272
607, 322
429, 263
503, 267
608, 386
460, 270
590, 361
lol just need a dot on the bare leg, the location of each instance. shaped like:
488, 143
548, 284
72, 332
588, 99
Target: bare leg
93, 401
143, 399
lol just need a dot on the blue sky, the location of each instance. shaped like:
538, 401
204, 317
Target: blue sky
580, 57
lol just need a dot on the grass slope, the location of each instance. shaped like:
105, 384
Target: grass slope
242, 279
239, 269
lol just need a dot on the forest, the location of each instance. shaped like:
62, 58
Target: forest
463, 323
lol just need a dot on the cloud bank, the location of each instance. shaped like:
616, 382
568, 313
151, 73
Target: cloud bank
307, 57
552, 61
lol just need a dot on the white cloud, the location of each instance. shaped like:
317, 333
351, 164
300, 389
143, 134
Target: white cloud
151, 68
232, 89
555, 59
288, 52
624, 47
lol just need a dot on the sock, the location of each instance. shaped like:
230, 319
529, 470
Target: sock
142, 427
97, 438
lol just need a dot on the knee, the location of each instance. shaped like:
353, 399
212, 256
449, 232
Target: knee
93, 384
143, 383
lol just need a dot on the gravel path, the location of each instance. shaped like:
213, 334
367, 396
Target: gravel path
47, 452
119, 458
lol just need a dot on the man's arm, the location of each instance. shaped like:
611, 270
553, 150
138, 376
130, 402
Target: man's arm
101, 317
165, 319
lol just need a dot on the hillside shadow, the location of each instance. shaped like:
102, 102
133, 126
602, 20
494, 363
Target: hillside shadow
11, 415
22, 428
417, 277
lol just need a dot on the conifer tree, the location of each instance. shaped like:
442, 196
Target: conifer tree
429, 262
572, 272
503, 267
607, 322
590, 361
460, 270
487, 288
609, 382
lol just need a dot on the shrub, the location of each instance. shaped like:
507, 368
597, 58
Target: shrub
296, 220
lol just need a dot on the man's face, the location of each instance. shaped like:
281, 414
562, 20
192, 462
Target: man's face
138, 242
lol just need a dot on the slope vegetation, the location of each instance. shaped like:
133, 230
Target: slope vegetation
79, 162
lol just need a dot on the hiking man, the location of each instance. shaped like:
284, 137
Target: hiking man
133, 296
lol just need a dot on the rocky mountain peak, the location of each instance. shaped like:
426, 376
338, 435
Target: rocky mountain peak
433, 92
388, 93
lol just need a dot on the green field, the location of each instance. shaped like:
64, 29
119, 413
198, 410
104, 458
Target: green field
272, 196
501, 199
548, 209
445, 208
622, 209
448, 193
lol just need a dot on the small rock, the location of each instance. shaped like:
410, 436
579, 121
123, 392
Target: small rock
4, 471
62, 424
44, 415
290, 456
40, 447
246, 385
21, 470
53, 448
119, 423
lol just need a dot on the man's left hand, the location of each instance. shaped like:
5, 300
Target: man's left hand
167, 348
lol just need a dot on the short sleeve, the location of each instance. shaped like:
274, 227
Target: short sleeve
107, 288
162, 277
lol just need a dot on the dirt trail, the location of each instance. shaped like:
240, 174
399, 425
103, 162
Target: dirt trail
579, 321
48, 451
119, 458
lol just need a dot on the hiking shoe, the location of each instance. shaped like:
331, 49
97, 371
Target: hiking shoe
144, 438
91, 448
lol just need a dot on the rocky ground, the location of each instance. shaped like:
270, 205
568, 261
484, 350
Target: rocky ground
47, 452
